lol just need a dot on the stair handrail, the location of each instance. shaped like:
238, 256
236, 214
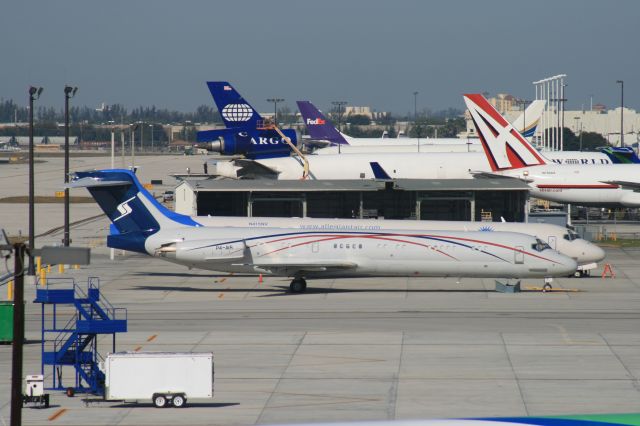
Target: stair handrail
78, 291
103, 302
62, 337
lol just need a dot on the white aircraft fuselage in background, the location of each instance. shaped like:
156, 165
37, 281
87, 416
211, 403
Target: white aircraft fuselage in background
509, 154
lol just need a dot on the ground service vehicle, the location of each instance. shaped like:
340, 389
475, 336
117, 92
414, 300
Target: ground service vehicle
161, 377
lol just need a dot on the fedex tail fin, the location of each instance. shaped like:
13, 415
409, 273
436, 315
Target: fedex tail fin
319, 127
235, 111
503, 145
132, 210
532, 115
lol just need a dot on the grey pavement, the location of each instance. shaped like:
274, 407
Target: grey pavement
358, 349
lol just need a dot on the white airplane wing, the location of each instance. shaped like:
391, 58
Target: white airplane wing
293, 267
250, 168
478, 174
624, 184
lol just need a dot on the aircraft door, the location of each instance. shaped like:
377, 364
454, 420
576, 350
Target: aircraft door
519, 255
552, 241
315, 247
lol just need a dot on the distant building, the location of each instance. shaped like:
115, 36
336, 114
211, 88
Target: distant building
364, 110
599, 120
505, 103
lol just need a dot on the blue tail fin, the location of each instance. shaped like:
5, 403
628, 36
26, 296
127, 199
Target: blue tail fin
132, 210
235, 111
319, 126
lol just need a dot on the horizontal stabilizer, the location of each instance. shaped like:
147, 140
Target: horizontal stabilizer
91, 182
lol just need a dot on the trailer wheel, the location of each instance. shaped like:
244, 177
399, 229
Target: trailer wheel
70, 392
178, 401
159, 401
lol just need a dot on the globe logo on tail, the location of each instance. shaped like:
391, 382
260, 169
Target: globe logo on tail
237, 112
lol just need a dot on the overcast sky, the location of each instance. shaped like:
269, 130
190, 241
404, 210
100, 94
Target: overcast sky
369, 52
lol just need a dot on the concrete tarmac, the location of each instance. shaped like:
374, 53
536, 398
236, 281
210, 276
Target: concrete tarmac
357, 349
365, 349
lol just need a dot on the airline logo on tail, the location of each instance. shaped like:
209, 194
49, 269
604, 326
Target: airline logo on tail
237, 112
124, 209
316, 122
503, 145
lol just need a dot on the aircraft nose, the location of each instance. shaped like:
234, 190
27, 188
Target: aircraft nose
592, 252
566, 265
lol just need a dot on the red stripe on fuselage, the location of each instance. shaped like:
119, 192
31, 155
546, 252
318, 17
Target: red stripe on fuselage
386, 236
339, 237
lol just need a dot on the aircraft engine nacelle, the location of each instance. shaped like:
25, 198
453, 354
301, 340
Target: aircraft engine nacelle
199, 251
252, 144
630, 199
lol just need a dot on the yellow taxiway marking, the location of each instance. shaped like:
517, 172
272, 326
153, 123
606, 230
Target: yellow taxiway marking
137, 349
57, 414
152, 338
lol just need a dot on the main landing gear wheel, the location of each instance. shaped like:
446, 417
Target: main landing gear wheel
178, 401
547, 287
298, 285
159, 401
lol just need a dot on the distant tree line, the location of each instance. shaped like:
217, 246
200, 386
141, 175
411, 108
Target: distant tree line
10, 112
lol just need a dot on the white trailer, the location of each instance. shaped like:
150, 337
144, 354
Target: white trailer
161, 377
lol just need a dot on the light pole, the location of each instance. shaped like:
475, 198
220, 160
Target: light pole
523, 103
621, 83
577, 119
69, 92
133, 127
415, 115
275, 108
113, 143
151, 126
34, 93
339, 105
141, 124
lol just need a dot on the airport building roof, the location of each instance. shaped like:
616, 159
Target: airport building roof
224, 185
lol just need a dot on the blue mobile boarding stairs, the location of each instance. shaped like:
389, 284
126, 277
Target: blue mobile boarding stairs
75, 344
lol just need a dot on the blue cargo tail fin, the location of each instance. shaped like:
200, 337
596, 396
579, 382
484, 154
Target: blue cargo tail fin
319, 126
133, 212
235, 111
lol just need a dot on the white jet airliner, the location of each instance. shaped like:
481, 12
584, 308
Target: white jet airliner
144, 226
511, 155
561, 239
322, 130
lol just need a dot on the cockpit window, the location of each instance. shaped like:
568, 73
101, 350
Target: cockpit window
571, 235
540, 245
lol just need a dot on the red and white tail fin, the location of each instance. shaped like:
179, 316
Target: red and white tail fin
503, 145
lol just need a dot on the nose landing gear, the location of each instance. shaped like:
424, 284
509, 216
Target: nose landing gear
298, 285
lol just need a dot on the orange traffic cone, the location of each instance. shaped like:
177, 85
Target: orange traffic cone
260, 278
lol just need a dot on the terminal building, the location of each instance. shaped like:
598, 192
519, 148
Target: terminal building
447, 199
